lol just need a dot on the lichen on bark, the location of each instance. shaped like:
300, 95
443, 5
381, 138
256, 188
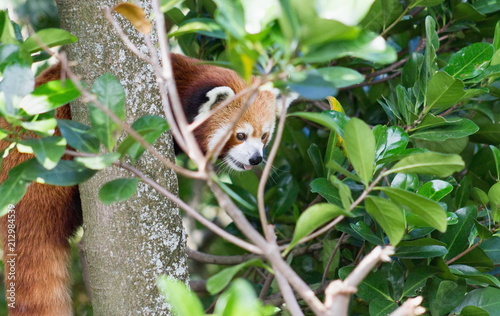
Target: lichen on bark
126, 245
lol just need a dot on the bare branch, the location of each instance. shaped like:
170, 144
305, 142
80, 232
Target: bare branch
410, 308
338, 293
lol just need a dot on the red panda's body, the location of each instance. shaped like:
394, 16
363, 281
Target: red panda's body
48, 215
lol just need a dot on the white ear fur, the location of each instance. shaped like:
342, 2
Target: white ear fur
289, 98
216, 95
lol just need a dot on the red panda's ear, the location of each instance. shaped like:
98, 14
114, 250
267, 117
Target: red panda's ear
289, 98
215, 96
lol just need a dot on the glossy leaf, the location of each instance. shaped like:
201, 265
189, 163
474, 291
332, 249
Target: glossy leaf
313, 218
487, 6
150, 128
446, 296
348, 12
341, 77
326, 189
219, 281
456, 237
441, 165
49, 38
111, 95
18, 81
374, 286
79, 136
470, 61
360, 147
435, 189
473, 274
428, 211
184, 302
44, 127
425, 3
420, 249
492, 248
367, 46
98, 162
389, 216
49, 96
416, 280
48, 150
443, 91
451, 129
118, 190
382, 307
331, 119
312, 85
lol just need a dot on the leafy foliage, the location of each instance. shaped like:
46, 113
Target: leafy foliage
413, 162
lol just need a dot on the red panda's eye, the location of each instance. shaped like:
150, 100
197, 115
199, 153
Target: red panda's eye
241, 136
264, 136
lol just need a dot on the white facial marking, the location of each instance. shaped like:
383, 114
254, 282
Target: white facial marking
218, 135
214, 96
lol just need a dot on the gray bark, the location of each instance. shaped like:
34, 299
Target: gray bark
126, 245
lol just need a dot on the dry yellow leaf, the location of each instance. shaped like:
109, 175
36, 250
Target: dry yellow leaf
135, 15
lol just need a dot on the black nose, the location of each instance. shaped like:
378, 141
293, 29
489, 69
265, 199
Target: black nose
255, 159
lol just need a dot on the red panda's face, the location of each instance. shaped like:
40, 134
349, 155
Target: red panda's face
245, 146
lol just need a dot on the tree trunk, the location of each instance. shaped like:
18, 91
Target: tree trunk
127, 245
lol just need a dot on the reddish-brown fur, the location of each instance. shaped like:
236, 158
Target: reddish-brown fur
48, 215
45, 218
190, 75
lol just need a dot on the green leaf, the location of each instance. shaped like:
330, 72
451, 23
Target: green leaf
150, 127
496, 158
18, 81
48, 37
312, 85
341, 77
494, 197
203, 26
448, 295
365, 232
260, 13
441, 165
471, 310
317, 160
241, 297
470, 61
13, 188
390, 141
416, 280
66, 173
382, 307
389, 216
348, 12
443, 91
49, 96
110, 93
48, 150
431, 46
333, 120
166, 5
420, 249
98, 162
492, 248
456, 237
407, 182
487, 6
367, 46
496, 38
219, 281
326, 189
473, 274
118, 190
374, 286
79, 136
360, 147
381, 15
446, 129
45, 127
425, 3
435, 189
313, 218
466, 12
184, 302
427, 210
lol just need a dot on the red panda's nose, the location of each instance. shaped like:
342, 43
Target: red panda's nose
255, 159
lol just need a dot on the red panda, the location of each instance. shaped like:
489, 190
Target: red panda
48, 215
